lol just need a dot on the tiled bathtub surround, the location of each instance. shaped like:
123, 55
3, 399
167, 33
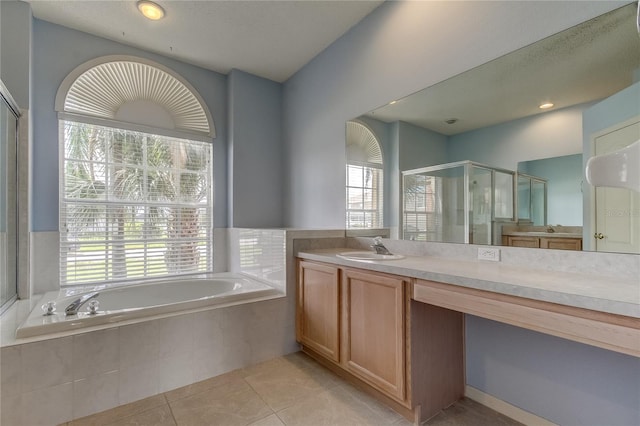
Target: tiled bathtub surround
66, 377
56, 380
45, 261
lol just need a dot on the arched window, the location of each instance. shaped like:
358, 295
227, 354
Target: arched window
136, 173
364, 178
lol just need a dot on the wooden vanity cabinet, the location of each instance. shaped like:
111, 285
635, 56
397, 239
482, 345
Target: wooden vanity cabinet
374, 329
318, 309
359, 324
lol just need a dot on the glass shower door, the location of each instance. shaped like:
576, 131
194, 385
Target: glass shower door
481, 205
434, 204
8, 201
461, 202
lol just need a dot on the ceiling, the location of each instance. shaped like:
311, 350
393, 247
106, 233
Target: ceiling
270, 39
585, 63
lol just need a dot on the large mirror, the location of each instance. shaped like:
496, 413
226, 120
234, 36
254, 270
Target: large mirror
494, 117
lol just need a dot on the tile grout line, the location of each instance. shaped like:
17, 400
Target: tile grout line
280, 418
120, 418
261, 399
166, 400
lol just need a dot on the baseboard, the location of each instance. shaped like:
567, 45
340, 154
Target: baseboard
505, 408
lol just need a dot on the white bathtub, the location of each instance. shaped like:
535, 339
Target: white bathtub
137, 301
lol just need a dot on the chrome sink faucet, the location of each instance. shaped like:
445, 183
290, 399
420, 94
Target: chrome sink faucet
75, 306
379, 247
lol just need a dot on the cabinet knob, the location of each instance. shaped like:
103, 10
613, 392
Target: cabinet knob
598, 235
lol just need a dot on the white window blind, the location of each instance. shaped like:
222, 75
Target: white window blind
134, 91
132, 205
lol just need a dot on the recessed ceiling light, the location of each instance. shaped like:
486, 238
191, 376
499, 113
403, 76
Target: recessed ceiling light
150, 10
392, 102
451, 121
546, 105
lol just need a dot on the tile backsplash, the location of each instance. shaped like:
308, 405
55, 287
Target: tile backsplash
45, 262
584, 262
259, 253
256, 252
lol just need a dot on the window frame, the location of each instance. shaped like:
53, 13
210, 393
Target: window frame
107, 253
363, 150
135, 94
378, 198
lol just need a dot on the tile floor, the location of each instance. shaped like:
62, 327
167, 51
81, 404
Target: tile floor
290, 390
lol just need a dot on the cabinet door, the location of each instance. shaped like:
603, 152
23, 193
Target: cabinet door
561, 243
317, 313
374, 333
531, 242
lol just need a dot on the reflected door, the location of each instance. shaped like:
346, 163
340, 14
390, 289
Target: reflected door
617, 209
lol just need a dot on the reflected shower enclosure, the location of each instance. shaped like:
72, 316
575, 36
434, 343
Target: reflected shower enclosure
456, 203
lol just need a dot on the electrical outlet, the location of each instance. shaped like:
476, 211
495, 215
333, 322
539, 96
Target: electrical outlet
488, 253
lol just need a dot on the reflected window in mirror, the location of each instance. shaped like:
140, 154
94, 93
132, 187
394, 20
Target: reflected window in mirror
364, 183
422, 214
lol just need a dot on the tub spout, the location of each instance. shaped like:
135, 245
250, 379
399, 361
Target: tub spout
75, 306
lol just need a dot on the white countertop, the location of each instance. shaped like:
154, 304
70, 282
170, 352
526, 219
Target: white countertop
600, 293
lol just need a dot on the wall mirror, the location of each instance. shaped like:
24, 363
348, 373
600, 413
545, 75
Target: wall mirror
492, 115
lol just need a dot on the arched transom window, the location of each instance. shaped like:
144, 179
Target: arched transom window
364, 178
136, 173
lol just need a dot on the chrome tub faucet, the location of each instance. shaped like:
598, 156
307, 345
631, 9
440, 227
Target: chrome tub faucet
75, 306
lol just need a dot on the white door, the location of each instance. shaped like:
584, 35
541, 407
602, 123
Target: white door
617, 209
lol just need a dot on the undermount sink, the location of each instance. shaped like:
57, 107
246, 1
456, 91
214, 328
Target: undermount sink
365, 256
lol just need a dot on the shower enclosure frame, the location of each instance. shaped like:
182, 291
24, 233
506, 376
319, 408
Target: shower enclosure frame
10, 261
467, 167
